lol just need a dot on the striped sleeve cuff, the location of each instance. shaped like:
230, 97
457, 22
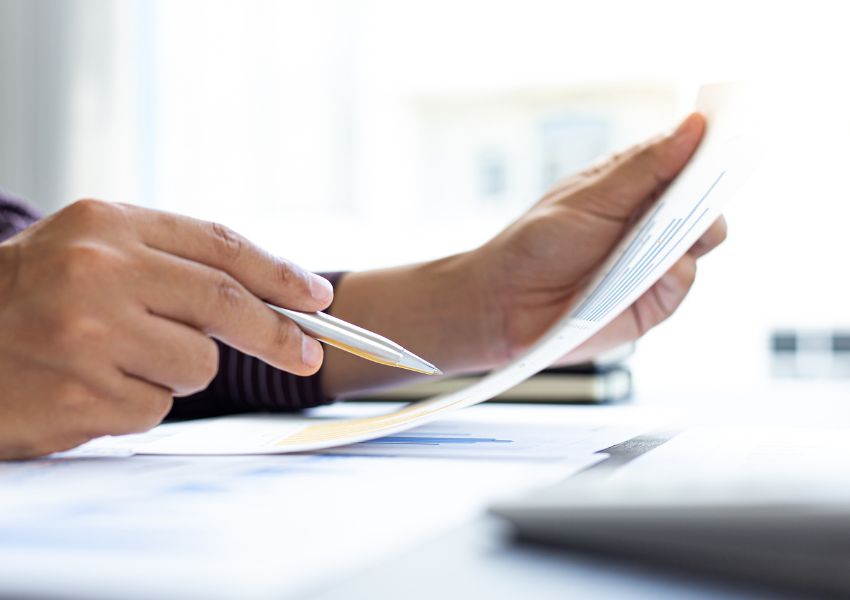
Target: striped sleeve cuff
247, 384
15, 216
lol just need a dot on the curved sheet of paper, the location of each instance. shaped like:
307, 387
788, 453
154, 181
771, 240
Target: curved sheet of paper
725, 157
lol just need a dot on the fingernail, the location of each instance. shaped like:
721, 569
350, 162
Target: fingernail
311, 351
320, 288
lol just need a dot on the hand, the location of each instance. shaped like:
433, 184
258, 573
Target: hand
475, 311
534, 270
106, 312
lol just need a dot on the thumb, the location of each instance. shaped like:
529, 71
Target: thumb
623, 185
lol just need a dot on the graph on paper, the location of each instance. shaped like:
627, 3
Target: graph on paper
651, 247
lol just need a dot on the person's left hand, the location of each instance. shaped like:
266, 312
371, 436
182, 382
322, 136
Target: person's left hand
475, 311
534, 269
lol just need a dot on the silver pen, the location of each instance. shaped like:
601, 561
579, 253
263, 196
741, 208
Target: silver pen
358, 341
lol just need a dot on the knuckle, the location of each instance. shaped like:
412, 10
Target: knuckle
85, 260
532, 242
91, 211
646, 151
230, 244
618, 157
74, 331
649, 152
606, 164
75, 397
229, 292
285, 335
288, 274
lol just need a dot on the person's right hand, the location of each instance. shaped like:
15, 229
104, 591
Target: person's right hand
107, 311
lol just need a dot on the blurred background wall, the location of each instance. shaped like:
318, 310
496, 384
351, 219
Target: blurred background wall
332, 131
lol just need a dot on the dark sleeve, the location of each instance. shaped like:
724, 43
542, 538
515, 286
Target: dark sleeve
15, 216
247, 384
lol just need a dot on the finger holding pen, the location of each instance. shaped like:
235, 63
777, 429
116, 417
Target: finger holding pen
212, 279
204, 256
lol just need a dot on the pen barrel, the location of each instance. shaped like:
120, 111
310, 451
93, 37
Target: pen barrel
345, 336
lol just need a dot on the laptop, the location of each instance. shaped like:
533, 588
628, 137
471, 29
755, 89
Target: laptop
790, 531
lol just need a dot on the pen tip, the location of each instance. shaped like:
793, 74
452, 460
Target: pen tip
414, 363
431, 370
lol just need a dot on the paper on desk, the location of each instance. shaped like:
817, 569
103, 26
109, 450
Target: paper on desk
214, 527
690, 205
507, 432
276, 526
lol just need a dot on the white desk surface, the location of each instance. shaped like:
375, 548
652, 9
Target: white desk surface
386, 532
481, 559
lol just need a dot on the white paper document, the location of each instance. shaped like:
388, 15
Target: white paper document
668, 229
492, 432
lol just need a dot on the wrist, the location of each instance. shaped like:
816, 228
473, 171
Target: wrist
440, 310
472, 316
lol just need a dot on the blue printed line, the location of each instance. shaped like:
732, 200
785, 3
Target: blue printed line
624, 259
667, 234
636, 278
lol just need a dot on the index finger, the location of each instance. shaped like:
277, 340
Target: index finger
268, 277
